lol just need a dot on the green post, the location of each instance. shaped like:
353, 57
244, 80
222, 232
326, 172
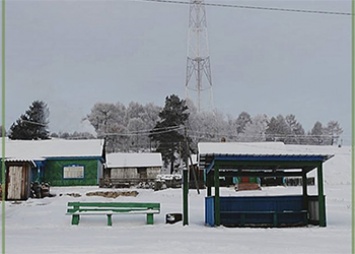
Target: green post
321, 199
109, 219
150, 218
353, 125
304, 189
3, 168
185, 197
75, 219
217, 212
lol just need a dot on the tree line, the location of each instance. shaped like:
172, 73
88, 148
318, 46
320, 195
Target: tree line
138, 127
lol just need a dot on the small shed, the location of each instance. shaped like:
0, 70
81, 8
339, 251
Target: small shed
18, 179
262, 160
131, 168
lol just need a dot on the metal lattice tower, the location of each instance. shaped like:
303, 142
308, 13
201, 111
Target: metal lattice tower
198, 71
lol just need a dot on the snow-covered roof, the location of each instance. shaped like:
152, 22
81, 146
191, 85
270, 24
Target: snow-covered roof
52, 148
260, 149
119, 160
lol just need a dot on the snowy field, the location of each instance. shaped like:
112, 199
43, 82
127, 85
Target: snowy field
41, 226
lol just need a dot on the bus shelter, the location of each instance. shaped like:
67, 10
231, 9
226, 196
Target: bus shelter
262, 160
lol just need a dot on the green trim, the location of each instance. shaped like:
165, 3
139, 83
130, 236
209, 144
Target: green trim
3, 128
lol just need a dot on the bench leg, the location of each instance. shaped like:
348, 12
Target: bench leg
150, 218
109, 219
75, 219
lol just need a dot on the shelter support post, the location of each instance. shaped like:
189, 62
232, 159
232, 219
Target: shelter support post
217, 213
304, 189
321, 198
185, 197
209, 185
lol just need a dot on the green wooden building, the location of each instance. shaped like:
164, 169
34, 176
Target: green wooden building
58, 162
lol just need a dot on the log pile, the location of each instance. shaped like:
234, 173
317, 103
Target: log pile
75, 195
113, 194
40, 190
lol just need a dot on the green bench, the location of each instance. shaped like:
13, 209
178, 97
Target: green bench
75, 209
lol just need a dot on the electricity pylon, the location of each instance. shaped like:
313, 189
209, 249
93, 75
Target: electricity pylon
198, 71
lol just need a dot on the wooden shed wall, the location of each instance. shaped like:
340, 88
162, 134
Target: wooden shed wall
134, 173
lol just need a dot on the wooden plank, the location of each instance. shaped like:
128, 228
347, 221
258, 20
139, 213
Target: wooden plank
89, 212
15, 183
115, 204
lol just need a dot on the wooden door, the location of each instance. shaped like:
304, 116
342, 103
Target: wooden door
15, 182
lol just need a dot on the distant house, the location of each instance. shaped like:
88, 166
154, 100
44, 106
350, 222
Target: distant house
131, 168
56, 161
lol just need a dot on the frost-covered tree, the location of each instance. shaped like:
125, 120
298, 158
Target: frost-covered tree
332, 132
168, 131
277, 129
296, 132
231, 134
243, 119
255, 130
151, 115
33, 124
316, 135
108, 122
134, 110
207, 126
138, 138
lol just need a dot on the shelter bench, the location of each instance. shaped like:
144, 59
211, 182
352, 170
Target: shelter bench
75, 209
273, 218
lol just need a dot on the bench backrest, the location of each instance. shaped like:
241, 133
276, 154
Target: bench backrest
74, 206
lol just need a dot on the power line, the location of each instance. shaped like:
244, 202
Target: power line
253, 7
145, 132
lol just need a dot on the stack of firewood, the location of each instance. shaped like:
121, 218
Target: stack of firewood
113, 194
40, 190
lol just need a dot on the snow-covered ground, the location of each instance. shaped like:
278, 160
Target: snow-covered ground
41, 226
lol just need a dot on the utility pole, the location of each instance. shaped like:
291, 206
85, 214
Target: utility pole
185, 182
198, 70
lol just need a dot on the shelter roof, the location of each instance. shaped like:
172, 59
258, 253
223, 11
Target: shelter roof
119, 160
277, 154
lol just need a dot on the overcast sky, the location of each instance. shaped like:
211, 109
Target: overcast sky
72, 54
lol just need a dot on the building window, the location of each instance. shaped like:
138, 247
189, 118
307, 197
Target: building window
73, 172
